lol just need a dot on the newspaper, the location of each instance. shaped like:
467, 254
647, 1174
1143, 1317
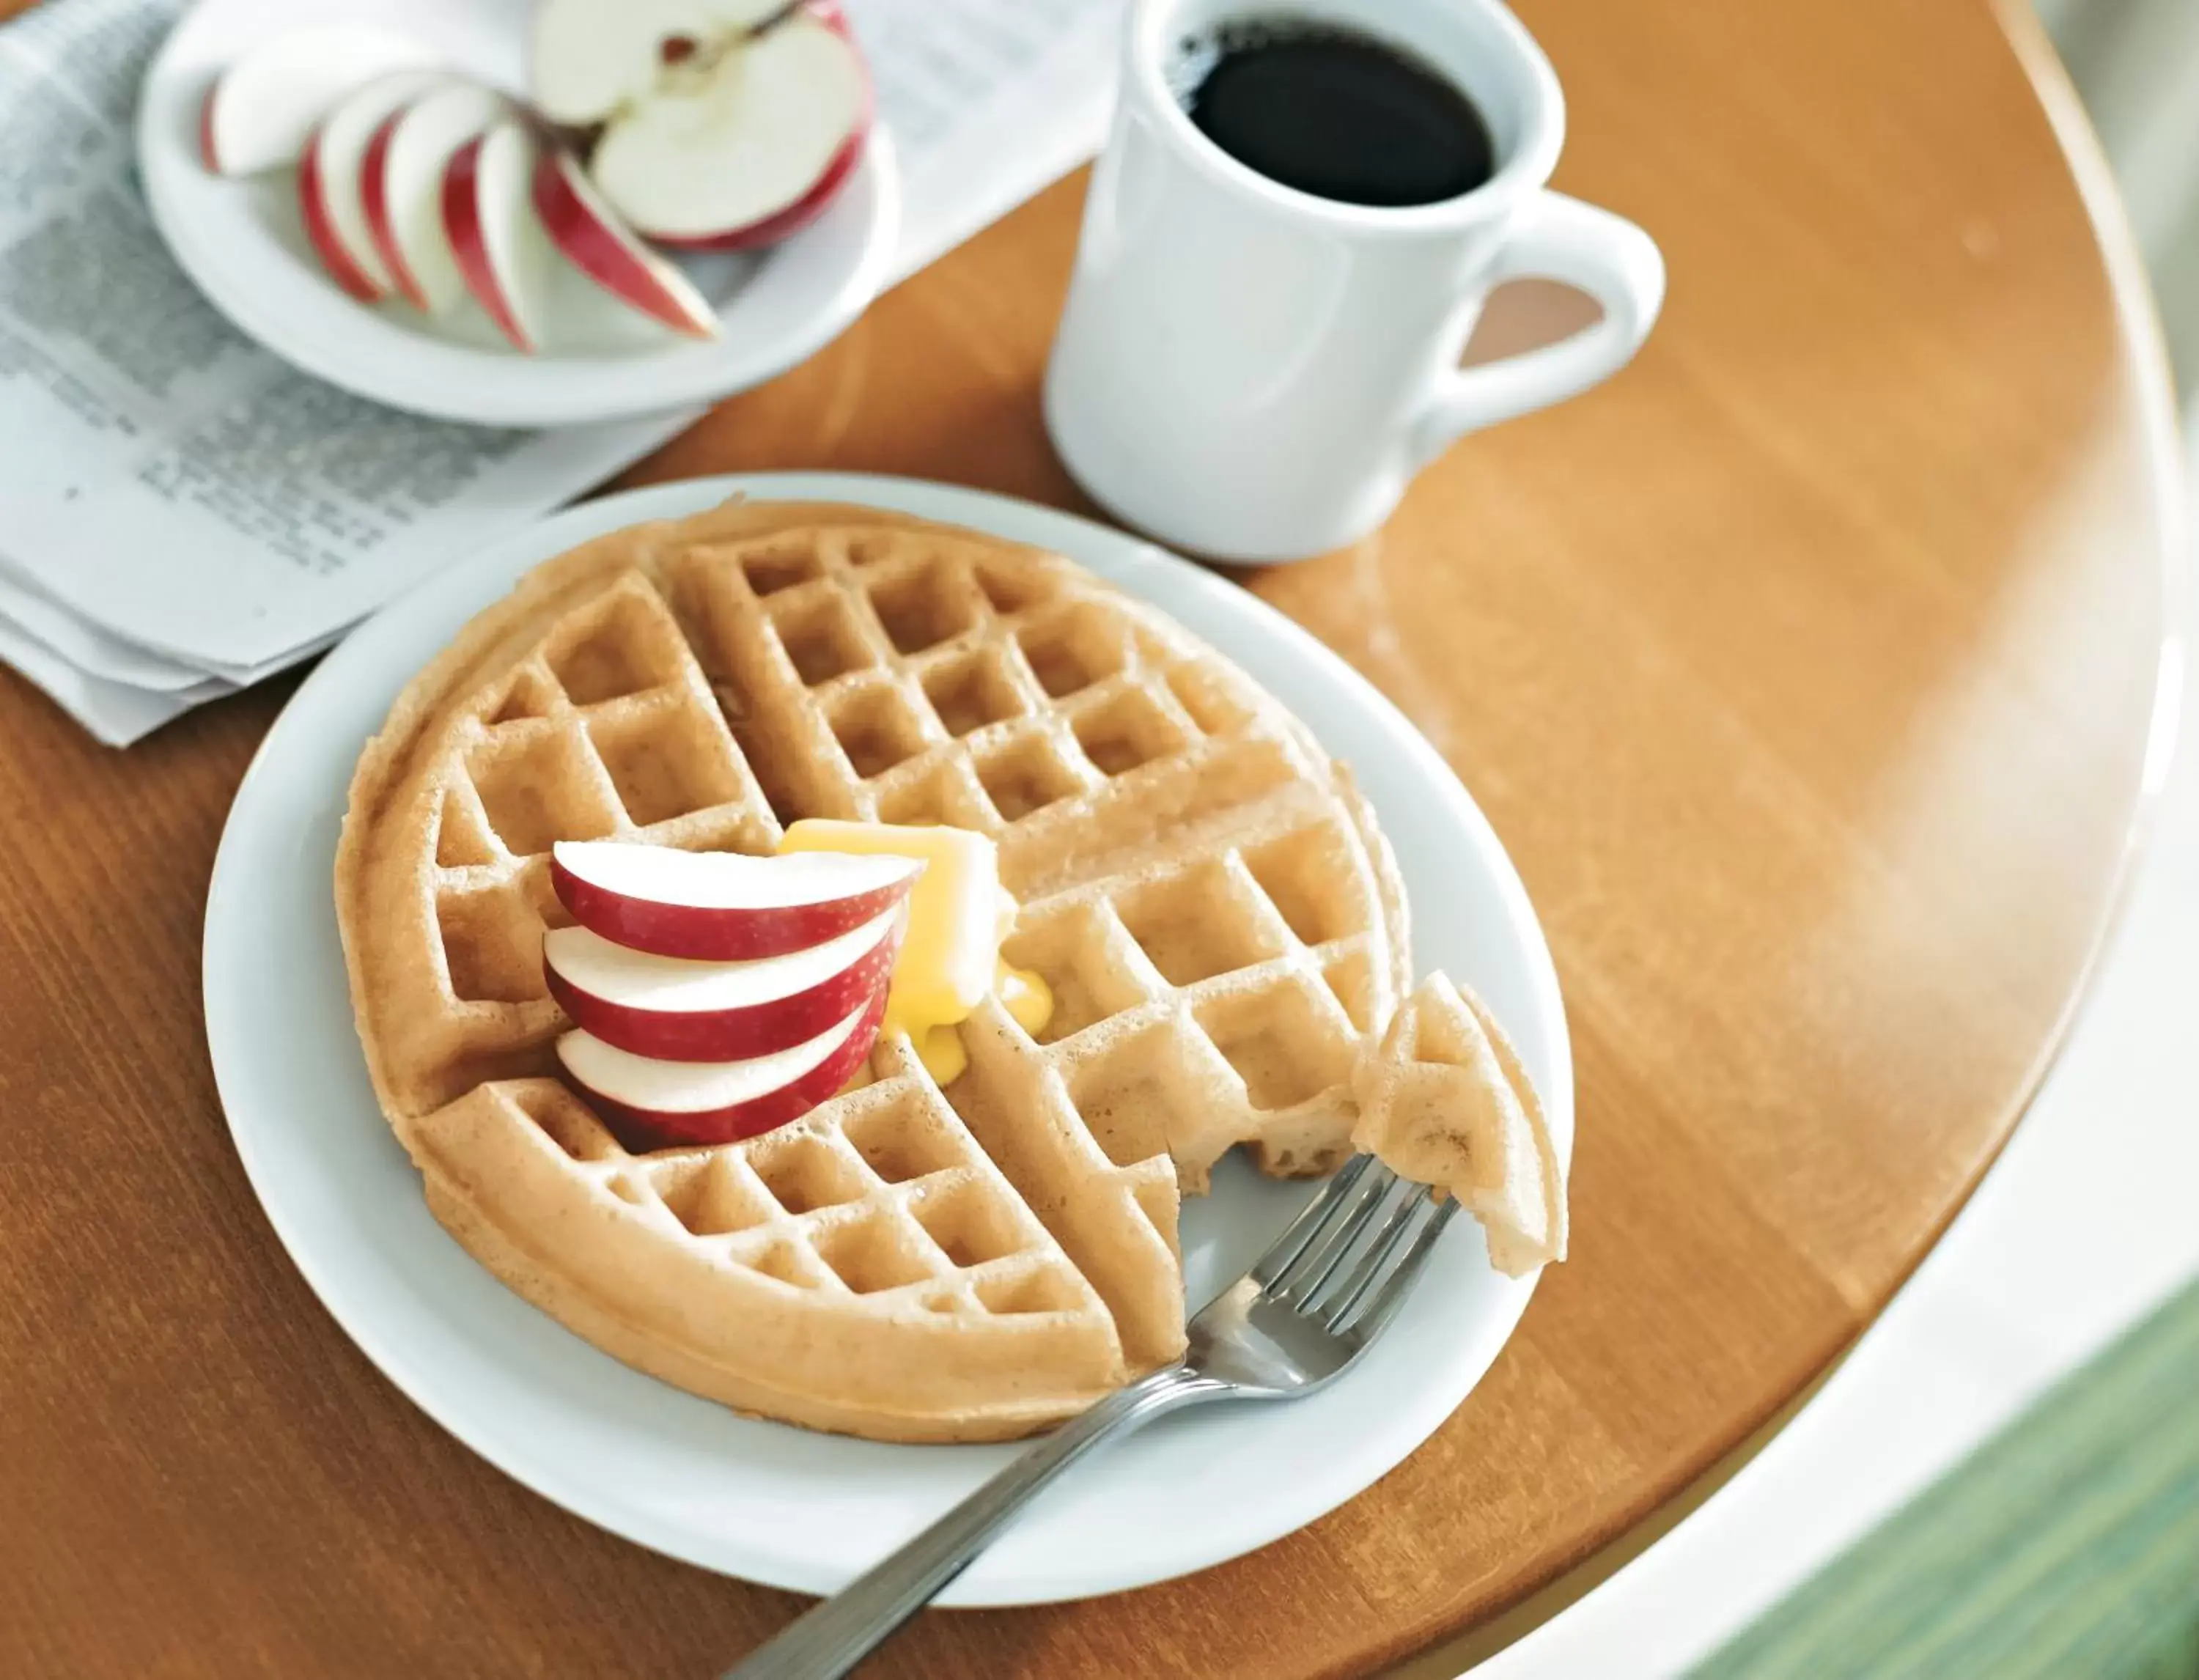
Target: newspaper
181, 513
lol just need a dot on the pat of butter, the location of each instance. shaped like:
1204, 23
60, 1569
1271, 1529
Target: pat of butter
950, 957
947, 956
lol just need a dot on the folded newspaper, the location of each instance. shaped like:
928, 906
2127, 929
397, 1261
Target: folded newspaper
143, 439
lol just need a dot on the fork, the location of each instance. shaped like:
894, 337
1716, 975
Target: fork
1290, 1324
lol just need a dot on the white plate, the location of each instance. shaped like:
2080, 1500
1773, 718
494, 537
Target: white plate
243, 243
764, 1501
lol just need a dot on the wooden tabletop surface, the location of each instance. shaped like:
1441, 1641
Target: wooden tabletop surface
1806, 670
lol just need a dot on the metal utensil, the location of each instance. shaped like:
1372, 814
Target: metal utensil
1307, 1308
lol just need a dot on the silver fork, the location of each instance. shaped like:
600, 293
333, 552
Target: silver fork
1287, 1327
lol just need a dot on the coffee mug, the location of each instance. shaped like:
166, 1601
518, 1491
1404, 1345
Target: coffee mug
1256, 373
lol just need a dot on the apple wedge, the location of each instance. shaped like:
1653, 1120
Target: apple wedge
679, 1009
745, 148
328, 181
401, 188
720, 907
653, 1104
260, 111
594, 239
498, 244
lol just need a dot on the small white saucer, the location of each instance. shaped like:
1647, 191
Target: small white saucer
243, 243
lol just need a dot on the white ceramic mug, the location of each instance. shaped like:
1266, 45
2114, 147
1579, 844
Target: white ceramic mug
1256, 373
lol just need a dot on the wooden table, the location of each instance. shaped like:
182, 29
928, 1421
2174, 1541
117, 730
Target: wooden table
1808, 670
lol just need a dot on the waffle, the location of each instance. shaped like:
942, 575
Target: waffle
1444, 1100
1218, 917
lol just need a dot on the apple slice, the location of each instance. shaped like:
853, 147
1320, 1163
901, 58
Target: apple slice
682, 1011
401, 188
502, 252
718, 906
744, 149
593, 237
653, 1104
329, 193
261, 109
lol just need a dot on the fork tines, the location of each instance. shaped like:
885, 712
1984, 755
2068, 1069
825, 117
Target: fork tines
1381, 1225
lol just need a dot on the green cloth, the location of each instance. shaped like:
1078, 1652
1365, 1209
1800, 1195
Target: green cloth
2067, 1546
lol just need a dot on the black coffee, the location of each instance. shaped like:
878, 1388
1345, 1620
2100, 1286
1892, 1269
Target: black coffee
1332, 113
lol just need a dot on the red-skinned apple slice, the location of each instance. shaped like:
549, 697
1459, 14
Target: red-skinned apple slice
593, 237
720, 907
503, 254
401, 188
261, 109
657, 1105
745, 149
328, 196
681, 1011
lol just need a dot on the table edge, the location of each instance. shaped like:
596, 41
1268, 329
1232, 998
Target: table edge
1447, 1647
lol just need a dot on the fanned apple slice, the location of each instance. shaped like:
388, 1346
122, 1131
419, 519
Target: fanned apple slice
328, 194
262, 109
591, 237
501, 252
658, 1104
746, 151
401, 187
721, 906
683, 1011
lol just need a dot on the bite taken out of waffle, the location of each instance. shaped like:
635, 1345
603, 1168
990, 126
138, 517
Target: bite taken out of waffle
1203, 890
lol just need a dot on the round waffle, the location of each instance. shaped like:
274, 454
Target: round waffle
1206, 893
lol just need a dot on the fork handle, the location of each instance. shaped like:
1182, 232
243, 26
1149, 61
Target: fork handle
827, 1641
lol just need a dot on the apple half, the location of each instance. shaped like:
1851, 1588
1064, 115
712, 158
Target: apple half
329, 178
262, 109
502, 255
724, 907
586, 59
658, 1105
716, 134
675, 1009
745, 153
401, 188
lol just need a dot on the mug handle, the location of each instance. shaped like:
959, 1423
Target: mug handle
1555, 238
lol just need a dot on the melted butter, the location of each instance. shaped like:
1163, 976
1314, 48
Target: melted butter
950, 959
1025, 996
941, 1052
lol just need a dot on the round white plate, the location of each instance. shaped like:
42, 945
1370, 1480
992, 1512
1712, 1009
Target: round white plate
764, 1501
243, 243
